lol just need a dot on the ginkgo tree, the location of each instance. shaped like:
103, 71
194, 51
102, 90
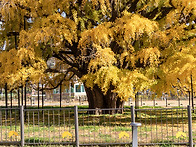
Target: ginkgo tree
116, 48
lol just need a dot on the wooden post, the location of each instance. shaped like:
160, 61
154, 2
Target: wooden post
38, 95
136, 103
192, 92
25, 95
22, 95
60, 94
42, 96
189, 98
18, 97
178, 101
166, 101
6, 100
11, 98
154, 102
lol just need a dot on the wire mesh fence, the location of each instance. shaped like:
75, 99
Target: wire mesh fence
49, 126
55, 126
162, 126
9, 126
105, 128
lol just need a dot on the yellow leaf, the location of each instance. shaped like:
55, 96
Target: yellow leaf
12, 133
66, 134
180, 134
123, 134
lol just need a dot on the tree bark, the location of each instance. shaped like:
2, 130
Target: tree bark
97, 100
119, 104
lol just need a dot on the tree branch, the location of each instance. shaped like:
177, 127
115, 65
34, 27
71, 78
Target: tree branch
60, 82
66, 52
52, 71
23, 7
62, 58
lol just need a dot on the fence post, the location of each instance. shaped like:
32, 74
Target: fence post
76, 125
132, 117
190, 126
134, 133
134, 128
22, 125
132, 114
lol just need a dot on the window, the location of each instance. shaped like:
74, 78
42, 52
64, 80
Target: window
78, 89
82, 88
72, 89
56, 91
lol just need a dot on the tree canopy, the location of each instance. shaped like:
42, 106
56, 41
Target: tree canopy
116, 48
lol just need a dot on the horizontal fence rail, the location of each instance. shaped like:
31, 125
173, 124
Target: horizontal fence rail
73, 126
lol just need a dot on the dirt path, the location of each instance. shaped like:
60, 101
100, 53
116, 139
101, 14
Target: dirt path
162, 103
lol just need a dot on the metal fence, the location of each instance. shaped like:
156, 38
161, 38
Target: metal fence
105, 129
9, 126
49, 126
194, 126
162, 126
73, 126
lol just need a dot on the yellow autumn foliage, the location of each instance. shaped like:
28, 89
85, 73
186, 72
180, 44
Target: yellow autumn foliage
13, 133
180, 135
13, 70
120, 46
66, 134
123, 135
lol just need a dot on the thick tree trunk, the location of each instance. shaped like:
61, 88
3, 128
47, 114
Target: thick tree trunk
119, 104
97, 100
